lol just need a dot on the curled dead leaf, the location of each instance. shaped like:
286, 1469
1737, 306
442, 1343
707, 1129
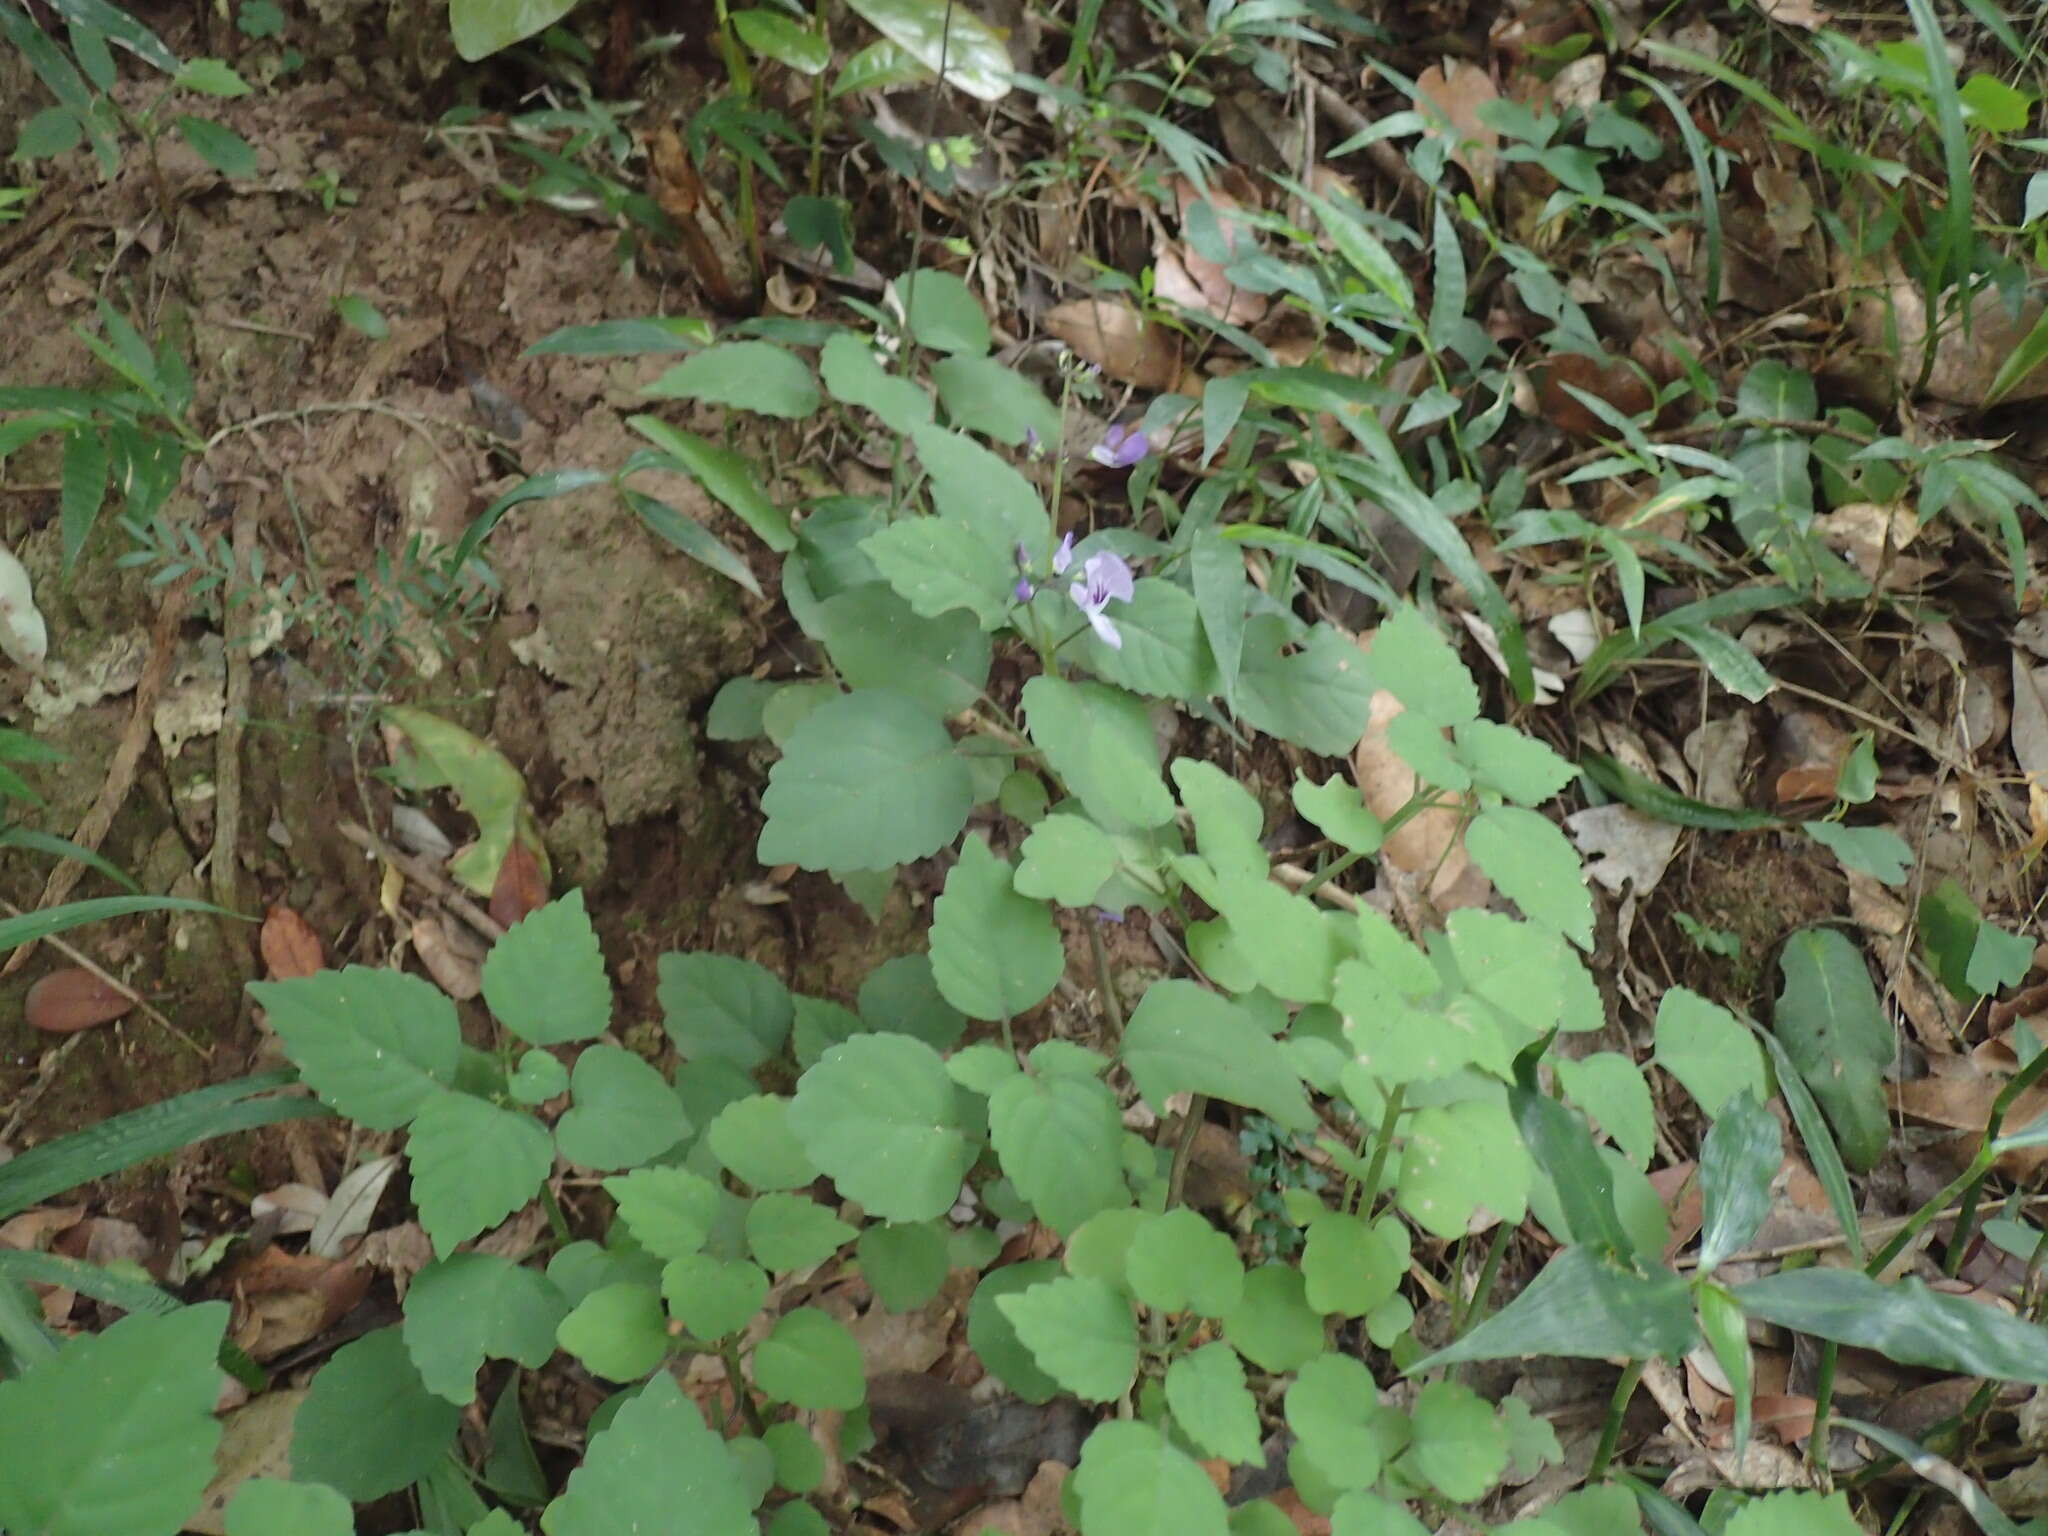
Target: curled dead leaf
291, 949
521, 886
1457, 91
1115, 337
458, 974
66, 1001
1618, 384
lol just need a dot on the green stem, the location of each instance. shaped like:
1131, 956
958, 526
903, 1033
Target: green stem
1335, 868
1383, 1144
1823, 1399
1610, 1431
1482, 1292
1104, 982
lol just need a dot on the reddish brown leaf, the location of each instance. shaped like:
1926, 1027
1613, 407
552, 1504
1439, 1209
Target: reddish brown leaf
1619, 384
66, 1001
291, 949
520, 886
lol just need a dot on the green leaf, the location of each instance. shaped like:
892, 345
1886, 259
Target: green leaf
866, 781
876, 640
1702, 1045
1350, 1265
115, 1436
1183, 1038
624, 1112
811, 1361
901, 996
1877, 852
1563, 1148
1584, 1307
623, 338
953, 43
711, 1297
942, 313
545, 981
1460, 1447
1099, 740
473, 1164
1787, 1512
1164, 652
728, 476
854, 374
655, 1459
1536, 867
1066, 859
1775, 391
359, 314
1738, 1160
744, 375
1080, 1332
1331, 1407
905, 1264
1059, 1140
1458, 1158
1336, 809
1314, 692
793, 1232
820, 1025
1512, 763
1834, 1029
86, 457
984, 492
880, 1116
724, 1008
1412, 660
1211, 1404
1272, 1325
1905, 1322
995, 954
690, 537
1368, 1514
266, 1506
463, 1310
982, 395
939, 564
375, 1044
369, 1425
1610, 1088
537, 1078
995, 1342
437, 755
670, 1211
752, 1138
1178, 1262
1945, 1475
227, 152
617, 1331
774, 36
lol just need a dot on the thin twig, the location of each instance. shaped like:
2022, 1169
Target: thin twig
227, 758
430, 879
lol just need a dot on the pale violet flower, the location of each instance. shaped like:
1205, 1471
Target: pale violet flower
1105, 579
1121, 447
1063, 556
1024, 591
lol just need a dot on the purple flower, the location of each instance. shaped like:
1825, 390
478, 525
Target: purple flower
1024, 591
1032, 445
1120, 448
1063, 556
1105, 579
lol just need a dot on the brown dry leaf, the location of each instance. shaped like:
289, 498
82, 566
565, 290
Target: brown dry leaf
35, 1231
71, 999
1036, 1512
256, 1441
291, 949
1811, 749
1967, 357
1788, 206
521, 886
1958, 1094
1795, 13
1619, 384
1306, 1520
458, 974
1870, 537
1115, 337
1426, 842
291, 1298
1458, 90
404, 1250
2030, 717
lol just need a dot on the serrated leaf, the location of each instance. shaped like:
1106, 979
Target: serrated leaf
753, 1140
745, 375
374, 1044
1332, 1407
1336, 809
623, 1112
1460, 1447
938, 565
811, 1361
724, 1008
1178, 1262
1272, 1325
1206, 1392
1183, 1038
670, 1211
115, 1436
981, 490
1535, 866
1512, 763
1350, 1265
1164, 653
473, 1164
1066, 859
1080, 1332
1610, 1088
618, 1331
545, 981
854, 375
1412, 660
880, 1116
866, 781
1702, 1045
787, 1232
1316, 694
876, 640
1059, 1140
1132, 1483
655, 1458
995, 954
369, 1425
901, 996
463, 1310
713, 1298
1099, 740
904, 1264
1458, 1158
983, 395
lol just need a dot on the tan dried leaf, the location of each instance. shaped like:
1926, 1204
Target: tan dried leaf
291, 949
1795, 13
1115, 337
521, 886
71, 999
1429, 841
1458, 90
454, 972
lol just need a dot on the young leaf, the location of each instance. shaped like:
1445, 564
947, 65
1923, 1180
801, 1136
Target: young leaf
473, 1164
1066, 859
655, 1458
617, 1331
460, 1311
1272, 1325
1702, 1045
1460, 1447
374, 1044
811, 1361
369, 1425
1331, 1407
1610, 1089
867, 781
941, 312
624, 1112
1512, 763
1350, 1265
995, 954
1099, 740
787, 1232
1315, 692
1459, 1157
1182, 1263
1536, 867
1183, 1038
1080, 1332
1206, 1392
752, 1138
745, 375
880, 1116
711, 1297
1059, 1139
115, 1436
1413, 661
670, 1211
545, 981
1132, 1483
723, 1007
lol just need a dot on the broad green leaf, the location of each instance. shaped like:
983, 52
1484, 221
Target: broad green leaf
799, 1461
1211, 1405
669, 1211
618, 1331
1610, 1088
745, 375
234, 157
787, 1232
1702, 1045
713, 1298
1183, 1038
1164, 653
1519, 970
1458, 1158
904, 1264
820, 1025
811, 1361
1563, 1150
369, 1425
210, 77
876, 640
1351, 1265
544, 980
1059, 1140
655, 1459
1272, 1325
941, 312
1776, 391
1536, 867
753, 1140
901, 997
537, 1078
1584, 1307
1099, 740
995, 1342
953, 43
1080, 1332
995, 954
1337, 810
1315, 693
1178, 1262
1904, 1321
867, 781
880, 1116
115, 1436
1396, 1042
1460, 1447
463, 1310
691, 537
774, 36
1412, 660
623, 1112
984, 492
473, 1164
1878, 852
1227, 817
624, 338
939, 564
1835, 1031
1789, 1512
437, 755
1216, 571
723, 1007
982, 395
1511, 762
1066, 859
729, 476
1288, 943
1360, 1513
374, 1044
1331, 1407
854, 375
267, 1506
1606, 1510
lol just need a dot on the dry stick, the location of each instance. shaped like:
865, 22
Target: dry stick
92, 830
226, 873
421, 875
